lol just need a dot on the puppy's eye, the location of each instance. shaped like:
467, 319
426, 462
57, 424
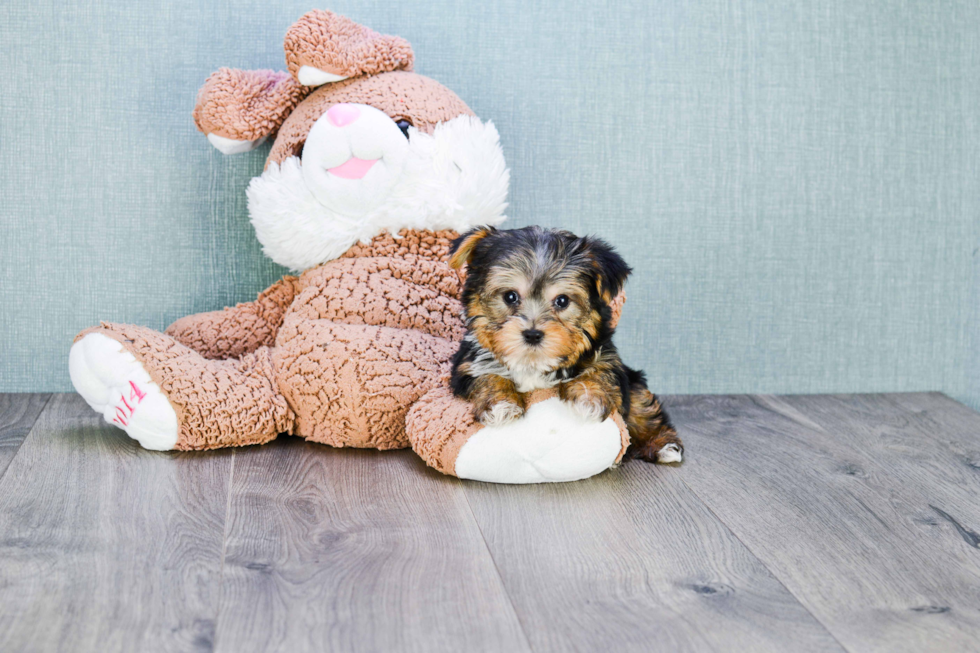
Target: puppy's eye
403, 125
511, 298
561, 302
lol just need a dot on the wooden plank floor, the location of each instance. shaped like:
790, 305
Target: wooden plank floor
797, 523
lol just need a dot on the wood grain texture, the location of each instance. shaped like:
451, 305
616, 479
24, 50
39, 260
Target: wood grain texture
348, 550
18, 412
796, 523
105, 546
832, 495
631, 560
926, 441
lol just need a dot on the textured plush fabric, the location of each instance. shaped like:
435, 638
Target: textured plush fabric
350, 49
433, 245
420, 100
439, 425
246, 104
218, 403
250, 104
337, 356
345, 349
401, 293
231, 332
351, 385
797, 184
367, 335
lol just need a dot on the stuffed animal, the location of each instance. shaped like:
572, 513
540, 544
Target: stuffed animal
373, 171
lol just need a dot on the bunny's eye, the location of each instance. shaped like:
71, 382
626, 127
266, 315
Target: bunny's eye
403, 125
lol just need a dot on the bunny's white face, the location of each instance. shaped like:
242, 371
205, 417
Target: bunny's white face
362, 174
353, 158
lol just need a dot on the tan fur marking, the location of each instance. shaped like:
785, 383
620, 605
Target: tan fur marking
596, 385
462, 254
649, 431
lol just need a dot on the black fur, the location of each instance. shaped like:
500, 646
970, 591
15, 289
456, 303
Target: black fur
613, 270
462, 384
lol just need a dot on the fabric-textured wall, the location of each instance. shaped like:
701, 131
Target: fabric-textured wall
797, 184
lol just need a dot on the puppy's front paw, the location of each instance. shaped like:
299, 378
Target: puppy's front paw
592, 400
500, 413
592, 408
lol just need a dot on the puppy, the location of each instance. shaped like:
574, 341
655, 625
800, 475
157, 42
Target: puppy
537, 311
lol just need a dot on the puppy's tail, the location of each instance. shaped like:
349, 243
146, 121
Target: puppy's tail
652, 436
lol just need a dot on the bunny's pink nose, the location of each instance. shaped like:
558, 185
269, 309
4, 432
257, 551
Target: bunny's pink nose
343, 114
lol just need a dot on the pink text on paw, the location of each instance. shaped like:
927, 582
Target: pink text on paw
136, 396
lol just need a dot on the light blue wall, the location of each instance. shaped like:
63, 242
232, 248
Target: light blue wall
797, 183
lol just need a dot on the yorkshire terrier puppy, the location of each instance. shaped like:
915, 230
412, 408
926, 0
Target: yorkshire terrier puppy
537, 311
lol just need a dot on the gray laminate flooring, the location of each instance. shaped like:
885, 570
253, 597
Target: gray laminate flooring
797, 523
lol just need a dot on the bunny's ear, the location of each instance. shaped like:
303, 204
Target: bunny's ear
240, 109
323, 47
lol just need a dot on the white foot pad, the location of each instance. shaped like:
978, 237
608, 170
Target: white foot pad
551, 443
671, 453
231, 146
115, 385
310, 76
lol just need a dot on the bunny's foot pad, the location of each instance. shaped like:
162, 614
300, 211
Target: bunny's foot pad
116, 386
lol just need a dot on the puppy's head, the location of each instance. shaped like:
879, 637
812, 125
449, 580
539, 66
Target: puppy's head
538, 299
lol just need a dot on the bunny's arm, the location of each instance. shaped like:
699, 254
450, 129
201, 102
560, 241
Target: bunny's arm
232, 332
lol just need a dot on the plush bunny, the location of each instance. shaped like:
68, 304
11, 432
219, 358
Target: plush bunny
373, 171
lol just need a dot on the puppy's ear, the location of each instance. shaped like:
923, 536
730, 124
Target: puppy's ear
611, 267
464, 245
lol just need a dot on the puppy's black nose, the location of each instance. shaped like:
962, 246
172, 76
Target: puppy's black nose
533, 336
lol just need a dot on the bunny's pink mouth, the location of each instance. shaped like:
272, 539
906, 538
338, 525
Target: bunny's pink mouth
353, 168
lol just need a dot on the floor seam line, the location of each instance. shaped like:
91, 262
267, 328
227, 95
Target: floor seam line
765, 566
496, 569
224, 552
20, 446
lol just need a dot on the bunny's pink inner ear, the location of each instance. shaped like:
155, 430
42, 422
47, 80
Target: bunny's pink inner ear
239, 109
323, 47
